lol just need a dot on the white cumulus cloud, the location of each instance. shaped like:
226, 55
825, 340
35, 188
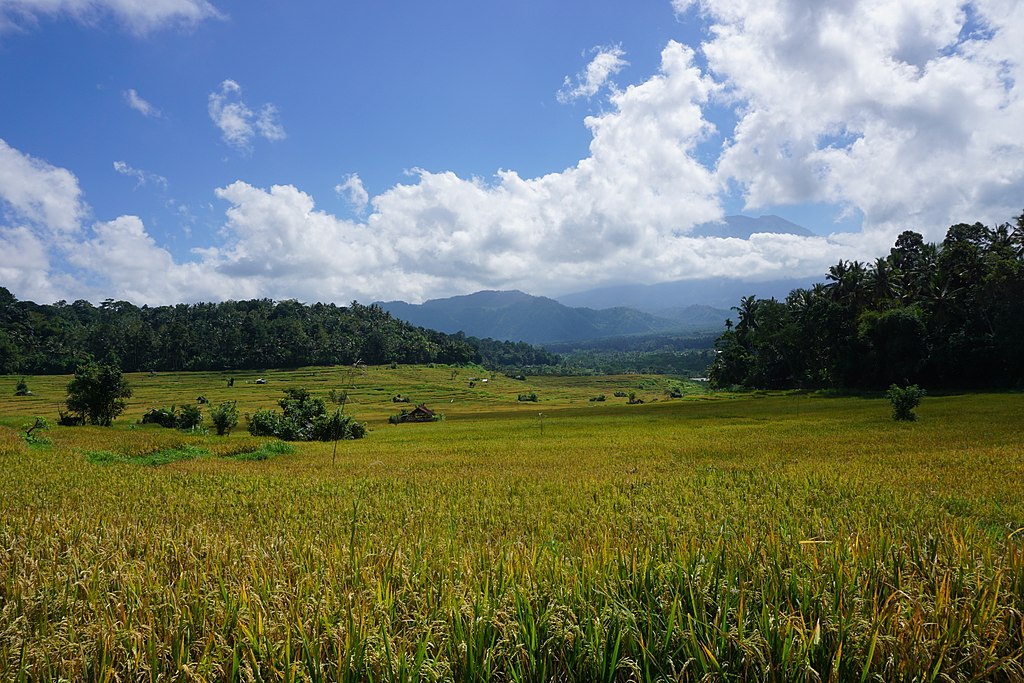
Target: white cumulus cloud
352, 189
907, 114
607, 61
238, 123
35, 192
898, 110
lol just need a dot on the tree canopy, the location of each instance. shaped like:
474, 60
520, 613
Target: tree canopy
96, 394
940, 315
232, 335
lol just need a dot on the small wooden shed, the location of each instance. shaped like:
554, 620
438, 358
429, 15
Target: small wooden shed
420, 413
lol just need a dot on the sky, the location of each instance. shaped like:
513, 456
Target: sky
166, 151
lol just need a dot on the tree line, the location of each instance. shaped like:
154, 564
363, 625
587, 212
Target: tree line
946, 315
231, 335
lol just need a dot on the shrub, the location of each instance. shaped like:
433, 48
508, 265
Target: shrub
619, 394
337, 426
532, 396
398, 398
904, 401
190, 417
599, 397
264, 452
270, 423
22, 388
674, 392
304, 418
165, 417
33, 431
224, 417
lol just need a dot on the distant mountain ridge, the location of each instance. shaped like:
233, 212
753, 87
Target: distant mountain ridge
742, 227
664, 297
609, 311
517, 316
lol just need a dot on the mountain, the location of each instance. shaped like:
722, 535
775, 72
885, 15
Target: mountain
516, 316
674, 299
663, 298
742, 227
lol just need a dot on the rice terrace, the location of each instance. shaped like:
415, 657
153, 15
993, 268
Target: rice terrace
771, 536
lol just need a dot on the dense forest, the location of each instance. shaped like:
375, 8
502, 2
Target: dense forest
260, 333
665, 353
948, 315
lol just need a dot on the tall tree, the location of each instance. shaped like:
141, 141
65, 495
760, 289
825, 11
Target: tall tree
97, 393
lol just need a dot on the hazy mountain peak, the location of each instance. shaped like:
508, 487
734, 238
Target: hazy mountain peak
517, 316
742, 227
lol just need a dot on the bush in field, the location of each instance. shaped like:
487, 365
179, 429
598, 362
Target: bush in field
190, 417
96, 394
532, 396
266, 423
904, 401
165, 417
224, 417
337, 426
304, 417
33, 431
22, 388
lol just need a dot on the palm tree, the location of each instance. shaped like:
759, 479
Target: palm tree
747, 311
882, 284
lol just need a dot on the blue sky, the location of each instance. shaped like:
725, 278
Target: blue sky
188, 150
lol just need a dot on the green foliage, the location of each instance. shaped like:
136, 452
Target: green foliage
224, 417
154, 459
33, 432
165, 417
530, 397
97, 393
190, 418
268, 423
22, 388
337, 426
599, 398
304, 417
663, 354
254, 334
904, 400
265, 452
942, 315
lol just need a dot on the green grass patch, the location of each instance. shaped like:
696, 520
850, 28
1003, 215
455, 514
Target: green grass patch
162, 457
265, 452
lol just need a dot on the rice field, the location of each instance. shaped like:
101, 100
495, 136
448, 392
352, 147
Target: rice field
710, 537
